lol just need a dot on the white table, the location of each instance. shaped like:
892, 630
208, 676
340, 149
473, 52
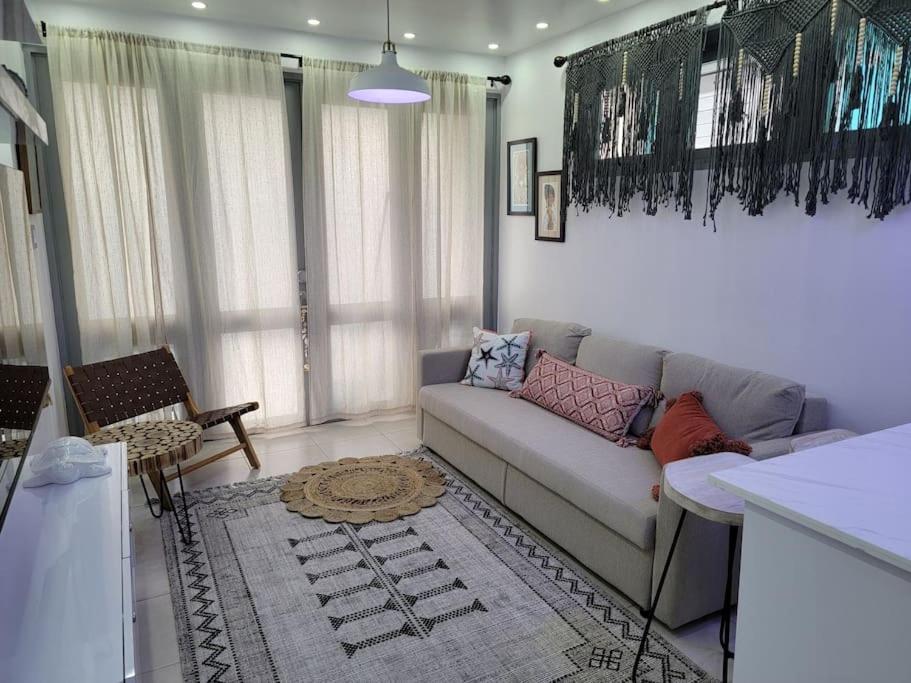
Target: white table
66, 586
825, 579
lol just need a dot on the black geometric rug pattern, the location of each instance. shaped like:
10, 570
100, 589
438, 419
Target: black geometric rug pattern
461, 591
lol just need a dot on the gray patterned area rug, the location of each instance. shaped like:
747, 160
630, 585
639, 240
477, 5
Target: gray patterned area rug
461, 591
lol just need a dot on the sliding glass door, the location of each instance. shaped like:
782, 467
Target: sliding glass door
378, 181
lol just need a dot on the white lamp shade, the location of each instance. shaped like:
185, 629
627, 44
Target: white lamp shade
389, 83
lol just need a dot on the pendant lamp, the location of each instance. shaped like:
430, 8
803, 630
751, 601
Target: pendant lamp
389, 83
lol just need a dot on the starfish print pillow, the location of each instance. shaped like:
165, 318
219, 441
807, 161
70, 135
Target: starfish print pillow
497, 360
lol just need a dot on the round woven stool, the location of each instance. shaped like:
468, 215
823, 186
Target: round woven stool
14, 448
151, 447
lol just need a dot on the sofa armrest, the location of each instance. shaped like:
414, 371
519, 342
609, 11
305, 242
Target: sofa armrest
442, 367
815, 439
814, 417
763, 450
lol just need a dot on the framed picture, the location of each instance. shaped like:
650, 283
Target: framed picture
549, 225
522, 163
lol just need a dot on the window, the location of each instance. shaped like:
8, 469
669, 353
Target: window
129, 224
451, 271
705, 115
242, 133
358, 211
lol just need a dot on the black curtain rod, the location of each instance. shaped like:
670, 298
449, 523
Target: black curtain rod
505, 79
560, 60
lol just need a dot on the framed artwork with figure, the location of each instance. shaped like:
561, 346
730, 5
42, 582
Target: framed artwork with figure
549, 225
522, 162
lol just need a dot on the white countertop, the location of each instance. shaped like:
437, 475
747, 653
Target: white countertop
61, 571
856, 491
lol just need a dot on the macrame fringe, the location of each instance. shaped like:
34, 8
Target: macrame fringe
803, 87
630, 119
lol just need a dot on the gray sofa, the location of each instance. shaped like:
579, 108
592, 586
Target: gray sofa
584, 492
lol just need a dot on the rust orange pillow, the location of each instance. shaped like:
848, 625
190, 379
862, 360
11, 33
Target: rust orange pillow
685, 430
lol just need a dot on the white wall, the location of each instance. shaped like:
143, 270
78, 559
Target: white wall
202, 30
825, 301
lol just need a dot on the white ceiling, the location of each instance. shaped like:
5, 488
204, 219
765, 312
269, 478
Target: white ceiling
460, 25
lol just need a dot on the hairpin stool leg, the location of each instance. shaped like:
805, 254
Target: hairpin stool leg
725, 633
149, 501
654, 605
186, 509
185, 534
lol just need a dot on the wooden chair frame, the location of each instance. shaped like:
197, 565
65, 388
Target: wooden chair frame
193, 411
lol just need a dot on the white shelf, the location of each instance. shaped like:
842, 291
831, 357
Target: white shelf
66, 594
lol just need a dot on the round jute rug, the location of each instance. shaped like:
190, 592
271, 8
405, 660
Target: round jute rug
360, 490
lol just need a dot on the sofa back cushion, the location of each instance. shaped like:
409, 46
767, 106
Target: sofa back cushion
557, 338
625, 362
746, 404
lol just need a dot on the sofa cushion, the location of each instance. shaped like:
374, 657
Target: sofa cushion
557, 338
626, 362
746, 404
607, 482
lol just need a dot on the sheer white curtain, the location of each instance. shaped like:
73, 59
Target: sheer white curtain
176, 170
21, 327
394, 233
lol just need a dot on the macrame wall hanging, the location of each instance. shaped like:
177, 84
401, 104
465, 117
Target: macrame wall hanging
813, 97
630, 118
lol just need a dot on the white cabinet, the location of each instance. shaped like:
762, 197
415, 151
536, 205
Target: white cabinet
825, 578
66, 582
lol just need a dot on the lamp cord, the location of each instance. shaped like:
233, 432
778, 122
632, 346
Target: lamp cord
388, 30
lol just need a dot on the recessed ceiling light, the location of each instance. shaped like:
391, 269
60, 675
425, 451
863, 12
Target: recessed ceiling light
409, 36
197, 4
541, 25
493, 46
313, 22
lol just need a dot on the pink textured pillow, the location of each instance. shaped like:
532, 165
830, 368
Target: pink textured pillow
602, 405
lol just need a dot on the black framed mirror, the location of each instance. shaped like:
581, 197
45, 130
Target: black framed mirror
23, 395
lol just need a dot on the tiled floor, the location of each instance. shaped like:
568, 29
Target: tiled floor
281, 454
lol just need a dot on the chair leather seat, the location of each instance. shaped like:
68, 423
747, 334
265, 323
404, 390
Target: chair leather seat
210, 418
